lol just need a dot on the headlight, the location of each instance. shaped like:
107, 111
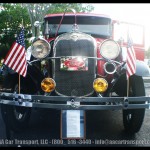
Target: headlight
109, 49
40, 48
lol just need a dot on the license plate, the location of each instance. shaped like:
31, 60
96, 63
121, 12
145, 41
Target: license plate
75, 63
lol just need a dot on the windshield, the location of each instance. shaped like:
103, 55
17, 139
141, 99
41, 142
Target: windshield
98, 26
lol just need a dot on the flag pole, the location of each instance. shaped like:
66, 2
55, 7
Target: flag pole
19, 74
127, 65
127, 87
131, 61
19, 84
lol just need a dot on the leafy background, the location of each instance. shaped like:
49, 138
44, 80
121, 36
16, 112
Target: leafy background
14, 15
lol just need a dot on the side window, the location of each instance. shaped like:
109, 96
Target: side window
136, 32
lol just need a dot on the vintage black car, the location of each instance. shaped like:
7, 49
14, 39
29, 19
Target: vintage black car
75, 65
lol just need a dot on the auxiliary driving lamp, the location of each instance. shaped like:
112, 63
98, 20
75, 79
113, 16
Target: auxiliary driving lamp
100, 85
48, 85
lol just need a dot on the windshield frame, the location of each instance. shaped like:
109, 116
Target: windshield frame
83, 21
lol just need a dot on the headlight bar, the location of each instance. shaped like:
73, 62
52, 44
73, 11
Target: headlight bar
102, 59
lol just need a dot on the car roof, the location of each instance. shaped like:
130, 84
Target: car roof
77, 14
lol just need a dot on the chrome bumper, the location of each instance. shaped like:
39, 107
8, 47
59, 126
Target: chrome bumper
75, 103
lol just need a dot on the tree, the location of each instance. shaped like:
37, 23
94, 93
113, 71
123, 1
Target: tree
12, 15
38, 11
11, 21
78, 7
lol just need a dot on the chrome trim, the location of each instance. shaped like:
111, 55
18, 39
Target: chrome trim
73, 36
114, 42
84, 95
42, 39
113, 65
55, 102
102, 59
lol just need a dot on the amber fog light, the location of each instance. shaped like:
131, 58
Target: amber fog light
100, 85
48, 85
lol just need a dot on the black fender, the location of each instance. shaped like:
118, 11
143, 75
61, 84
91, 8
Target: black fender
35, 75
120, 86
32, 80
142, 69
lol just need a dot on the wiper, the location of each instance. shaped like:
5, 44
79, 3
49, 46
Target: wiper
99, 35
63, 18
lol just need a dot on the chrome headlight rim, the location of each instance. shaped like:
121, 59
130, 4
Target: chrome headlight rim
108, 57
48, 49
112, 71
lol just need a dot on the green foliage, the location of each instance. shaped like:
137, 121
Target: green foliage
37, 11
10, 24
14, 15
61, 7
3, 51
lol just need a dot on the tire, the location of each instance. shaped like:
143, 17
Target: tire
16, 118
133, 118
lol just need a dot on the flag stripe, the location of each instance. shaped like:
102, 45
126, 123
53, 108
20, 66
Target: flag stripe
11, 52
131, 64
132, 55
23, 68
20, 65
131, 59
18, 62
21, 55
12, 61
16, 57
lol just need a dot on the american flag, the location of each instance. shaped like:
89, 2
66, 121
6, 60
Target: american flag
16, 56
131, 58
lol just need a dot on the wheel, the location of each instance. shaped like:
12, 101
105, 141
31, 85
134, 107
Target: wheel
16, 118
133, 118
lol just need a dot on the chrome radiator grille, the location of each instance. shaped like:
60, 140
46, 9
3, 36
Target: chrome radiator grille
74, 83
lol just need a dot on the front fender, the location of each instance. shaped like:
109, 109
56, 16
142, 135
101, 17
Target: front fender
32, 81
142, 69
35, 76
